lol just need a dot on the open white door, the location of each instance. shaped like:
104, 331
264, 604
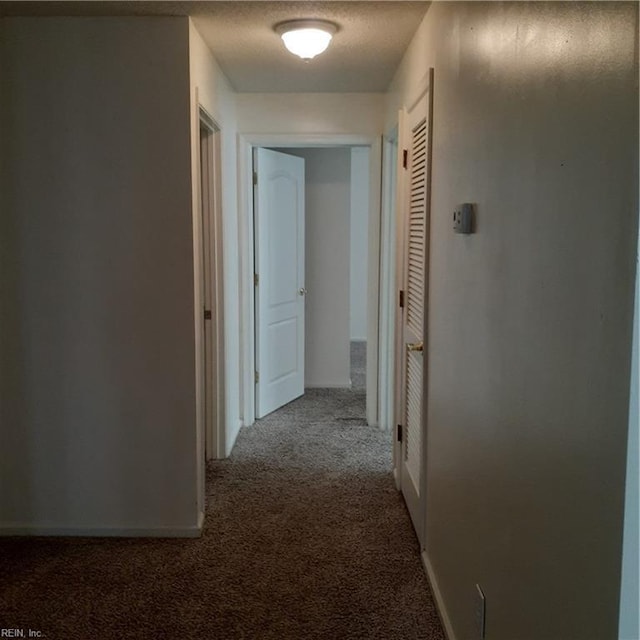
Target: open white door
279, 278
417, 141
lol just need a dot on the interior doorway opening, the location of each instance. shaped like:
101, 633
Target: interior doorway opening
336, 187
297, 143
211, 288
311, 218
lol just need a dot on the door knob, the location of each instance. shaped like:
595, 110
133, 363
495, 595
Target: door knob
416, 346
302, 291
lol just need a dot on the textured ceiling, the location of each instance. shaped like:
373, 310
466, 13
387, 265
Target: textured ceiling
362, 57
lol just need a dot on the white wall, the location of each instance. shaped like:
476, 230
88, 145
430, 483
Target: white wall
215, 95
535, 121
327, 223
313, 113
629, 592
359, 244
97, 385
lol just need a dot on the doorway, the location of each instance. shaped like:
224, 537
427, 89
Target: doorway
211, 289
313, 231
295, 142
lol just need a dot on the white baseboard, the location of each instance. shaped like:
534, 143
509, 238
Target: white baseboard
200, 525
437, 594
396, 478
104, 532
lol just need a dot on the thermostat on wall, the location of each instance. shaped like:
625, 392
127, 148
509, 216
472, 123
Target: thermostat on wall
463, 218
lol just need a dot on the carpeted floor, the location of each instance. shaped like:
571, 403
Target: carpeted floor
305, 538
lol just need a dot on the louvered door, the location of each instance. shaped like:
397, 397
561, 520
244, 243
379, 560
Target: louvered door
417, 140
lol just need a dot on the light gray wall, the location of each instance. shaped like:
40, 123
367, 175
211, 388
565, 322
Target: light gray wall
359, 246
97, 387
310, 113
212, 91
629, 592
327, 223
535, 121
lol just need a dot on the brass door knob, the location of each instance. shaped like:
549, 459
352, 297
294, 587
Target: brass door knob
416, 346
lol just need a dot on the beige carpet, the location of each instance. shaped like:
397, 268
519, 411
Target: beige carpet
306, 538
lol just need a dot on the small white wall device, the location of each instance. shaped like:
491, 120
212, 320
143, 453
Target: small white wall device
463, 218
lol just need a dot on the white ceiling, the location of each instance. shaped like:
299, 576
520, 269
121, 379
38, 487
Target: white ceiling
362, 57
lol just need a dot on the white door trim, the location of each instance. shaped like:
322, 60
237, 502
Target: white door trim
246, 143
211, 233
399, 284
426, 86
420, 89
388, 295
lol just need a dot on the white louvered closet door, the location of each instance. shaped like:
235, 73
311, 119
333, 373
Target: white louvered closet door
417, 141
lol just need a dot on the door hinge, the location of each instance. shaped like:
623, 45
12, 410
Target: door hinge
399, 433
256, 279
405, 158
255, 178
257, 377
401, 299
207, 314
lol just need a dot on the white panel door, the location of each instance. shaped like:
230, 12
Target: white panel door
417, 141
279, 267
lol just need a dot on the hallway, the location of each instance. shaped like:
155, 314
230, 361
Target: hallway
518, 450
305, 537
316, 538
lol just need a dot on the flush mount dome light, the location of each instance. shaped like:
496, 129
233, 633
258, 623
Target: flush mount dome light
306, 38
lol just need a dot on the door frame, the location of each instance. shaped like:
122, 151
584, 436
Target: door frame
425, 86
246, 144
388, 288
399, 222
210, 250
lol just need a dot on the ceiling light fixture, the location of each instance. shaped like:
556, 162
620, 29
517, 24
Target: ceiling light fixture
306, 38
